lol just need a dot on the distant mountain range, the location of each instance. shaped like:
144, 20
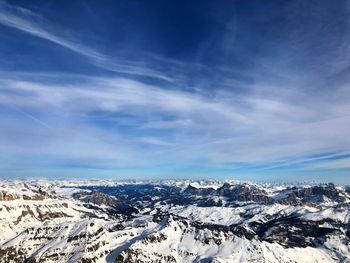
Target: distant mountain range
172, 221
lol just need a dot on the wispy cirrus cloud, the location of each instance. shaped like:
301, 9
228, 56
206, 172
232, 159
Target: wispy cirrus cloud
32, 24
218, 130
26, 21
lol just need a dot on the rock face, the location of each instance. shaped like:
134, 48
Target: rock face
10, 194
190, 190
7, 196
99, 198
314, 194
244, 193
173, 223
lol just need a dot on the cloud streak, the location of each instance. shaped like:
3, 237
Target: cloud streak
27, 22
218, 130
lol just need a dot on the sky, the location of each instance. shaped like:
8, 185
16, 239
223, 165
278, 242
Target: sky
248, 90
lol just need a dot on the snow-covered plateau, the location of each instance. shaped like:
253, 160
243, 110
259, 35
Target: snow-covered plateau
172, 221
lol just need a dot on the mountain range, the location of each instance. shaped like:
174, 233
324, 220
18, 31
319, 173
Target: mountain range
172, 221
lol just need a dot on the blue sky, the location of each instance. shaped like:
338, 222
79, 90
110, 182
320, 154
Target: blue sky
251, 90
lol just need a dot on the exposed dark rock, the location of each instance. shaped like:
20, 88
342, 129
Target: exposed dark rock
311, 195
4, 196
244, 193
199, 191
99, 198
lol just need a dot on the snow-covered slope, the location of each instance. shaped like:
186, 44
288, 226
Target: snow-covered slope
172, 221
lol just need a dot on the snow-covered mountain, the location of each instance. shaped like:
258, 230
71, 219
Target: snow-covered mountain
172, 221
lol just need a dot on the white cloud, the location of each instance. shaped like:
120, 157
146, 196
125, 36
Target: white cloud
331, 164
216, 129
